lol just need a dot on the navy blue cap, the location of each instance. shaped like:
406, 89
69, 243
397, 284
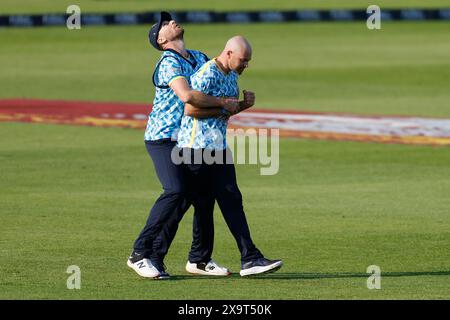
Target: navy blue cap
154, 31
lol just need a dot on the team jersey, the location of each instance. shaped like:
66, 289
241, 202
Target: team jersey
165, 119
208, 133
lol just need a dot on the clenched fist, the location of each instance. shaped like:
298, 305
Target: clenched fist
230, 104
249, 99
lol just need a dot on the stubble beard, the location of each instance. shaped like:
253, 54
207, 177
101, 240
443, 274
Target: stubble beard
180, 36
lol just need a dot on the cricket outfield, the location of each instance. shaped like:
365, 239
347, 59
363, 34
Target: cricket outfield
76, 195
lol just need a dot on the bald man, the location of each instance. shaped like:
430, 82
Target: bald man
205, 139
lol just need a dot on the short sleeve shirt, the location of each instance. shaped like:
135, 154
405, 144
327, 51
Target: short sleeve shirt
165, 119
208, 133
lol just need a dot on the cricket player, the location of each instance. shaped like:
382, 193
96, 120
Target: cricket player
172, 81
219, 77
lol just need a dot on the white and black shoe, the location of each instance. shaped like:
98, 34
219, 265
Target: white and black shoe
210, 268
142, 266
260, 266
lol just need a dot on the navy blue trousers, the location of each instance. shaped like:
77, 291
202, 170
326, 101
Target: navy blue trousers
220, 178
198, 185
180, 192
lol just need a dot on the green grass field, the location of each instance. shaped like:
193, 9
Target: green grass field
79, 195
340, 67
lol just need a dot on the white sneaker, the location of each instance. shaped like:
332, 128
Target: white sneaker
144, 268
207, 269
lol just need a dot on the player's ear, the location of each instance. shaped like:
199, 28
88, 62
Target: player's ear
161, 41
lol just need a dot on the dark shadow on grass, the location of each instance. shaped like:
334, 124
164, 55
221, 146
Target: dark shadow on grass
305, 275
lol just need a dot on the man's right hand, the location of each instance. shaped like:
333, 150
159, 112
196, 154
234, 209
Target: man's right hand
249, 99
230, 103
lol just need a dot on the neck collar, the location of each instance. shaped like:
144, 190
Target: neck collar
193, 64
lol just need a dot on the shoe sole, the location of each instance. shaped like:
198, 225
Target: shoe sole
261, 270
158, 277
205, 273
162, 278
208, 274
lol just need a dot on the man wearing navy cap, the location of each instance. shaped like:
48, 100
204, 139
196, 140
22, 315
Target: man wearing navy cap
172, 82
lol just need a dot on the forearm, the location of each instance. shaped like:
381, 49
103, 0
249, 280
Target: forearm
201, 100
202, 113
